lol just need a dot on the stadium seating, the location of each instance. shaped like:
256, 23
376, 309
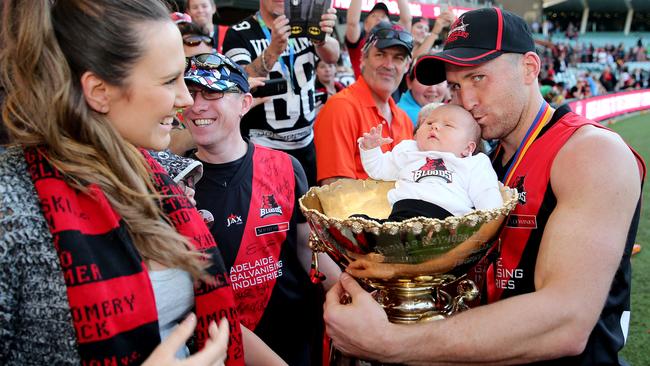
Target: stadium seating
600, 39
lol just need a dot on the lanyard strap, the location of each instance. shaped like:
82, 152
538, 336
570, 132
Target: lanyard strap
286, 70
543, 116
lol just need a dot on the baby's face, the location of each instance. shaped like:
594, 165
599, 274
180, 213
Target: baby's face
447, 129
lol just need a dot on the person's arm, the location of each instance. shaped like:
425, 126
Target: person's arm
329, 49
442, 21
303, 252
263, 64
580, 251
256, 352
352, 24
404, 14
377, 164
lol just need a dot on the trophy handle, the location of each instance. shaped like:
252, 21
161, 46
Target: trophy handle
467, 291
316, 247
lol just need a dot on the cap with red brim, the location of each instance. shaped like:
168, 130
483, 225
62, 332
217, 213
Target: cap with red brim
474, 38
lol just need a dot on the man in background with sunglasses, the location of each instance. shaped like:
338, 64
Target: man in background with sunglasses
356, 33
261, 43
195, 40
364, 105
252, 193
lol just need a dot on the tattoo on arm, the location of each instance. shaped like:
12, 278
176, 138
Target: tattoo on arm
255, 68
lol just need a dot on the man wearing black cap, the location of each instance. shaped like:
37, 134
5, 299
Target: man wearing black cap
364, 105
355, 35
558, 285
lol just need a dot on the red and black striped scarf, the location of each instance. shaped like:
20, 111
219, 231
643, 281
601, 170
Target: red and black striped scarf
110, 295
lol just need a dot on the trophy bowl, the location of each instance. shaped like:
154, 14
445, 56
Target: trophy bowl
418, 266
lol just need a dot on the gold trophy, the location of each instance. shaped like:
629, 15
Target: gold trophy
418, 266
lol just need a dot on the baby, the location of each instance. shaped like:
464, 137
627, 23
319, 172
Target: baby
437, 175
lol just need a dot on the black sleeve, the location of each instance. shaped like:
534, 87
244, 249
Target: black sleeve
300, 189
236, 46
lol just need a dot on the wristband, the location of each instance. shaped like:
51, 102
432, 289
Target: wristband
266, 69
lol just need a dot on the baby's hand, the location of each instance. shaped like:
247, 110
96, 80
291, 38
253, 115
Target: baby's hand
373, 139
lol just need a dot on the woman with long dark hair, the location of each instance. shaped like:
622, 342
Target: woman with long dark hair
101, 254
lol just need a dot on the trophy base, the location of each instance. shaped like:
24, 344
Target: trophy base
423, 298
408, 301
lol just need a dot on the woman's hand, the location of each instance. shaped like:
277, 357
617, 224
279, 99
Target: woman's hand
213, 354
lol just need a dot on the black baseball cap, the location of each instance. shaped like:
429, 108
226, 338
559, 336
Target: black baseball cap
380, 6
387, 34
476, 37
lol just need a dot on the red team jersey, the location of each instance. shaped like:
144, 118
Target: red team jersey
254, 201
512, 270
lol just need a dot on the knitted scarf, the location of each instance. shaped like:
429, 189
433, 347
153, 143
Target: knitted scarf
110, 295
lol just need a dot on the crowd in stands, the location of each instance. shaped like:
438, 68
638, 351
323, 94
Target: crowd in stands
576, 68
573, 69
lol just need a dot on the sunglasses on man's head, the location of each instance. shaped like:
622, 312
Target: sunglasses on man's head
195, 40
210, 61
387, 33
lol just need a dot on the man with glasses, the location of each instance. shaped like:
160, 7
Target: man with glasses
253, 192
363, 105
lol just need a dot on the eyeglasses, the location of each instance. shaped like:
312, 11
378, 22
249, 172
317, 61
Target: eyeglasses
195, 40
211, 61
208, 94
387, 33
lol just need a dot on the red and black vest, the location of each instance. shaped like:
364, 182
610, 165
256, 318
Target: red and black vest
258, 263
512, 270
253, 201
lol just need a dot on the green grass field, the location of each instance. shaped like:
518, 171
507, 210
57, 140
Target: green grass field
636, 132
